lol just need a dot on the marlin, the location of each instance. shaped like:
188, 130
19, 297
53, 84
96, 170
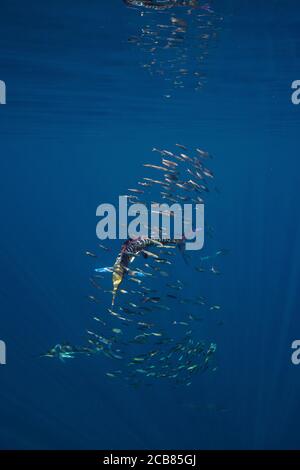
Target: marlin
129, 251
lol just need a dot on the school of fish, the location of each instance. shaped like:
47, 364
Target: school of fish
148, 322
152, 328
174, 40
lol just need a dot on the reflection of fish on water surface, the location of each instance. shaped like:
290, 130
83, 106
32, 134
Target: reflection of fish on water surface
153, 4
161, 4
175, 38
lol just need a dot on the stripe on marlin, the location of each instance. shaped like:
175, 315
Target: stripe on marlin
130, 249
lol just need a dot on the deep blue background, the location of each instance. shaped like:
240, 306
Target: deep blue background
81, 117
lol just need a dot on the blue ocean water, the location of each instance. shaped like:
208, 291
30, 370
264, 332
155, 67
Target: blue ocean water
81, 117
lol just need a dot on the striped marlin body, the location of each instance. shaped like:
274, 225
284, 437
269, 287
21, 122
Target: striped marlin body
129, 250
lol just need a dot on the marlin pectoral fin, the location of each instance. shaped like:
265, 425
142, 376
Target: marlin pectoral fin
108, 269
